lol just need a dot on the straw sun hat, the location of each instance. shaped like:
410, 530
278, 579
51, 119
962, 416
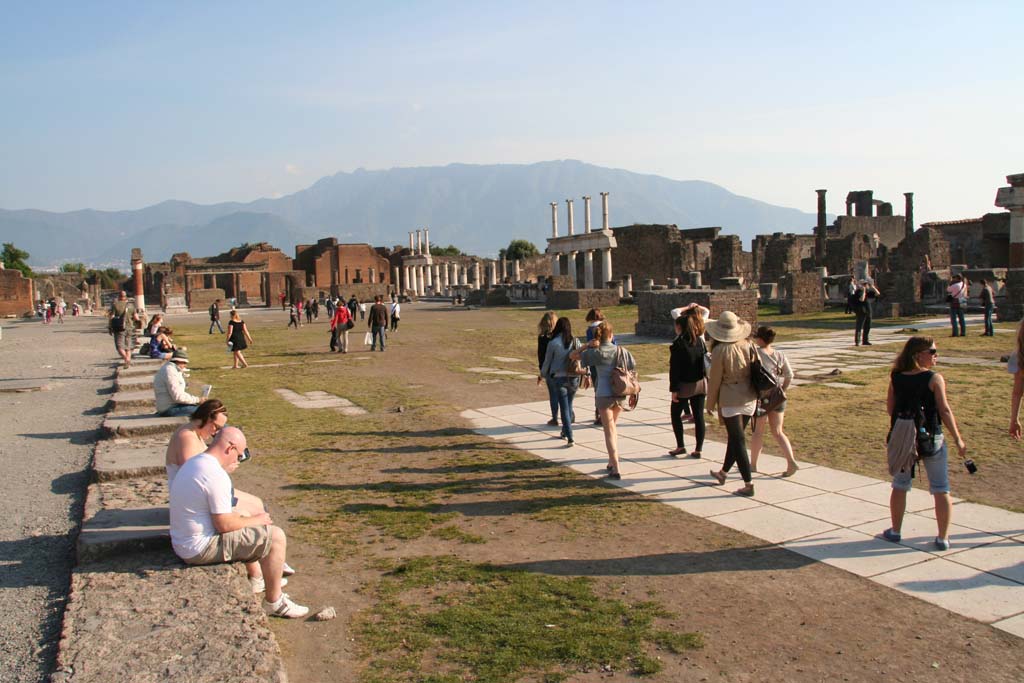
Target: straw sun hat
728, 328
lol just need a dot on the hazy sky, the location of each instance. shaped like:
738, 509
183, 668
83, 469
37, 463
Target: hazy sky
123, 104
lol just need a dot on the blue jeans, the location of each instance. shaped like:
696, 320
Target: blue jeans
217, 323
936, 466
956, 314
567, 387
989, 330
180, 410
378, 333
552, 396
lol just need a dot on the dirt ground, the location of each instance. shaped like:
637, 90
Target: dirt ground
360, 495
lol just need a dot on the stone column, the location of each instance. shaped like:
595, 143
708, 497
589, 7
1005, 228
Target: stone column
556, 264
604, 212
503, 271
627, 284
588, 261
394, 278
909, 213
476, 275
516, 271
821, 232
426, 241
586, 214
572, 268
606, 265
695, 279
370, 273
492, 274
554, 219
568, 218
412, 244
428, 278
140, 292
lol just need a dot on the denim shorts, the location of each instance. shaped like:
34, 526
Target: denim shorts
936, 466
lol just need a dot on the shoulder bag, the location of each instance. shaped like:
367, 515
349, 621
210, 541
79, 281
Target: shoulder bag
761, 378
624, 379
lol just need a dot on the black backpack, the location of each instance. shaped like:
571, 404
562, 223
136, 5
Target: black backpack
117, 321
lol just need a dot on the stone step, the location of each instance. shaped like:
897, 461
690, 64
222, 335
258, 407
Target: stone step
134, 383
136, 370
145, 424
121, 532
124, 459
142, 398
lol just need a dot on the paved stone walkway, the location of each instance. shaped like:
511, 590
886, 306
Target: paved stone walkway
822, 513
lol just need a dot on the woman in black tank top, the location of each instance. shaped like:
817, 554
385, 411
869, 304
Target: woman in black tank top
914, 384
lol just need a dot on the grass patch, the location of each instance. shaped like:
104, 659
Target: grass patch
453, 533
493, 625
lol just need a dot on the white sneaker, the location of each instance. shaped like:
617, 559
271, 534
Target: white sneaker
259, 585
286, 609
287, 570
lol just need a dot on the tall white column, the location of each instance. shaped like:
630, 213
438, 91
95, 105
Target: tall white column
571, 272
604, 212
426, 240
428, 279
419, 241
606, 266
517, 272
586, 213
394, 278
554, 219
412, 245
556, 266
463, 274
568, 206
588, 269
476, 275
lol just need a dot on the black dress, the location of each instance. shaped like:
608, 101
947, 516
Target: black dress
237, 337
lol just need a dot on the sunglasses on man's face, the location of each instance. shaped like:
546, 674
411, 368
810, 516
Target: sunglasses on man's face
244, 455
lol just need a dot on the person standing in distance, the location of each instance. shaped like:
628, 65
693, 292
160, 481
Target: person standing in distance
378, 322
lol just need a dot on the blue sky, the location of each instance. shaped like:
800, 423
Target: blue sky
119, 105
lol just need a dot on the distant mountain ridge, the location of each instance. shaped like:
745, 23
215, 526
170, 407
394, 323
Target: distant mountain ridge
478, 208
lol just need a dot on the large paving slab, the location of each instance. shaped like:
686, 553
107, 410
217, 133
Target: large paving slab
24, 386
321, 400
143, 398
125, 459
144, 424
148, 617
822, 513
134, 383
123, 518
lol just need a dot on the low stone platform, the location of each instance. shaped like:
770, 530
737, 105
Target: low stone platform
124, 459
22, 386
136, 370
145, 424
142, 398
127, 619
134, 383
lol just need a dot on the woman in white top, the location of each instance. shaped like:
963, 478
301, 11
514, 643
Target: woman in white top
775, 361
956, 293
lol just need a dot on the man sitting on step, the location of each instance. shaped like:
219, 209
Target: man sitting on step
172, 399
206, 530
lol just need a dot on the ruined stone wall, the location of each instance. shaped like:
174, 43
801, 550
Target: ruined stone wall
890, 229
364, 291
648, 252
572, 299
729, 260
16, 293
355, 262
901, 294
801, 293
653, 307
539, 267
777, 254
981, 243
925, 241
842, 253
201, 299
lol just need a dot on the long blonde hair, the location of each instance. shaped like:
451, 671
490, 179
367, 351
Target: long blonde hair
907, 360
604, 332
547, 323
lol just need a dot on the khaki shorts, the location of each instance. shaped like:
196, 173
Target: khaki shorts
605, 402
242, 545
122, 341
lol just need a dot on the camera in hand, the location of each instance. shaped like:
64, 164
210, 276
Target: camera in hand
971, 467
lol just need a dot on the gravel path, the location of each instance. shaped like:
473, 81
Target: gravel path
46, 440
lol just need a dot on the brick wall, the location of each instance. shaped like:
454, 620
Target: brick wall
572, 299
841, 253
777, 254
729, 260
801, 293
653, 307
924, 241
890, 229
200, 299
660, 252
16, 293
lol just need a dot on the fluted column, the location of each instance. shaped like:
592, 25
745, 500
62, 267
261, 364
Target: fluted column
604, 212
412, 243
586, 214
554, 219
428, 282
588, 269
571, 271
606, 266
426, 240
476, 275
568, 207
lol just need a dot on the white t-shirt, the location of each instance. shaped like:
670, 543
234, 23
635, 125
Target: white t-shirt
200, 490
396, 310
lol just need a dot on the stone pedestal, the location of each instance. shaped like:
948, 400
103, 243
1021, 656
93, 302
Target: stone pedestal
1012, 309
673, 282
627, 285
695, 279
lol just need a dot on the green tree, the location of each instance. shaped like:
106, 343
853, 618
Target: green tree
108, 278
15, 258
73, 268
519, 249
450, 250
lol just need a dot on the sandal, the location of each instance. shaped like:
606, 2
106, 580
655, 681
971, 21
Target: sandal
719, 476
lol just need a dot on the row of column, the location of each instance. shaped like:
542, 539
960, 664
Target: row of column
441, 276
588, 266
421, 243
586, 215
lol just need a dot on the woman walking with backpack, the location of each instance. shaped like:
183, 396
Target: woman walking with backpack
777, 363
916, 390
603, 355
557, 366
687, 378
730, 389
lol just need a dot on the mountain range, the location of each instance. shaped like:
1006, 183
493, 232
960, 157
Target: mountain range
478, 208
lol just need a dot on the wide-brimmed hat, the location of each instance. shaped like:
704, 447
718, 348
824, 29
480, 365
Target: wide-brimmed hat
728, 328
180, 356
